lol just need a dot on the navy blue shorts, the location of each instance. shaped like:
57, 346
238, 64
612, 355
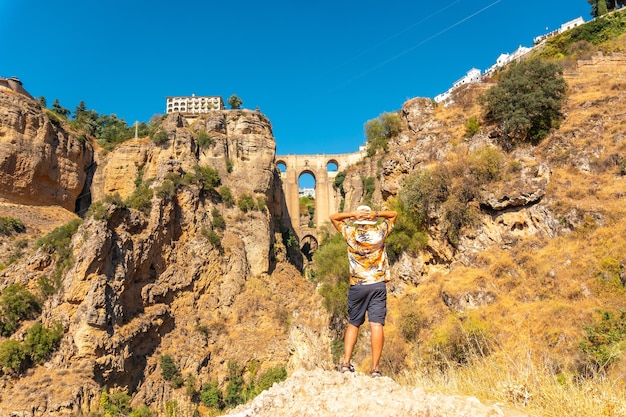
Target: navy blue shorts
370, 298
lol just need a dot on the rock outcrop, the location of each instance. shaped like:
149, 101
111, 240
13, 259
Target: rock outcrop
142, 286
40, 162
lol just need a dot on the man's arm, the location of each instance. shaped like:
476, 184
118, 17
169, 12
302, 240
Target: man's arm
387, 214
337, 218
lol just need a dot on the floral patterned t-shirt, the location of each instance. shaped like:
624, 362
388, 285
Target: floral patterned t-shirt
366, 251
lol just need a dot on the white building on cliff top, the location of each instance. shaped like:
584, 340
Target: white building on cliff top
194, 104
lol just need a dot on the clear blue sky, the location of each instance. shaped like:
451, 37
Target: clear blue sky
319, 70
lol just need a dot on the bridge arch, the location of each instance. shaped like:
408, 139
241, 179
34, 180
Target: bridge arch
308, 245
324, 169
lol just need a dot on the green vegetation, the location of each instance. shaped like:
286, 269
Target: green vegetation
369, 186
60, 110
141, 198
246, 203
205, 140
234, 102
160, 137
218, 220
211, 396
526, 103
408, 235
378, 132
10, 225
37, 346
460, 340
227, 196
12, 355
58, 244
170, 371
16, 304
207, 177
472, 126
605, 340
601, 7
338, 185
332, 271
41, 341
111, 131
117, 404
108, 130
307, 205
238, 391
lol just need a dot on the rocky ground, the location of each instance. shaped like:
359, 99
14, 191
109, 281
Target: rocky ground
322, 393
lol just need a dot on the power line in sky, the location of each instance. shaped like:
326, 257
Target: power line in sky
384, 41
422, 42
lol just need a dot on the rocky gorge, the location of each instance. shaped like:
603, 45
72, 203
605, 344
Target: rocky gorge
167, 281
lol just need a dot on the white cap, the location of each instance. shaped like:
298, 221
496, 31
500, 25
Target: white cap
364, 208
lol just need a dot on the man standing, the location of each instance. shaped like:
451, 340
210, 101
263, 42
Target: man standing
369, 273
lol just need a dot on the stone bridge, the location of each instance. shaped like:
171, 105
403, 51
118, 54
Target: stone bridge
323, 168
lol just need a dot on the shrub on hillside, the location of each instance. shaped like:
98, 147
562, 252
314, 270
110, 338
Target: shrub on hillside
16, 304
227, 196
160, 137
170, 371
486, 164
205, 140
458, 342
10, 225
211, 396
605, 340
141, 199
526, 103
246, 203
207, 177
378, 132
423, 191
12, 355
218, 220
472, 126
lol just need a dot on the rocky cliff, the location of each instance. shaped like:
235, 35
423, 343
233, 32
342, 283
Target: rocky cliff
170, 281
145, 285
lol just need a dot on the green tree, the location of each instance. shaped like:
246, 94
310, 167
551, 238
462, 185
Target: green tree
85, 119
526, 103
42, 102
116, 404
601, 7
378, 132
111, 131
58, 109
235, 102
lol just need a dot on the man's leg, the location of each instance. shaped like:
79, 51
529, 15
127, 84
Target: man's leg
378, 340
349, 341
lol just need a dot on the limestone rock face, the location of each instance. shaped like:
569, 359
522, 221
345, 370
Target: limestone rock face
40, 162
146, 285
